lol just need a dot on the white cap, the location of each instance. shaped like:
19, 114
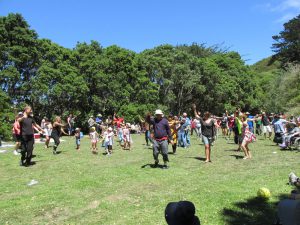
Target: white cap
110, 129
158, 112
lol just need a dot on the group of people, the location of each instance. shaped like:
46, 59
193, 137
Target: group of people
24, 128
160, 131
176, 130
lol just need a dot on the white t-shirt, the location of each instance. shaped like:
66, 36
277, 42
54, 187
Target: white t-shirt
109, 137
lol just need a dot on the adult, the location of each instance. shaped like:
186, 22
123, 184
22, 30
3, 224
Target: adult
250, 122
71, 123
207, 125
266, 125
187, 127
118, 122
197, 126
27, 126
17, 133
224, 125
57, 130
182, 142
147, 129
162, 135
43, 127
91, 122
99, 121
230, 125
238, 131
258, 125
174, 126
279, 130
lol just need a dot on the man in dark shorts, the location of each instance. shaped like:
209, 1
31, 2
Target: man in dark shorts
162, 136
27, 124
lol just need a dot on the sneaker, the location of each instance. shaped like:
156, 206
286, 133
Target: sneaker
156, 164
165, 167
22, 163
16, 153
282, 146
293, 178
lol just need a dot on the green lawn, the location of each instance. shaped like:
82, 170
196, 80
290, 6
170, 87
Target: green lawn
82, 188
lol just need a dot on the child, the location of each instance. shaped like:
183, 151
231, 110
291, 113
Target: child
126, 137
77, 138
94, 139
47, 130
109, 135
248, 137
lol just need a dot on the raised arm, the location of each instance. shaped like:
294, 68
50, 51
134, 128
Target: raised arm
195, 111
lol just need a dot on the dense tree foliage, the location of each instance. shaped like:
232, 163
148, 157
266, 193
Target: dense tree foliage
287, 43
89, 78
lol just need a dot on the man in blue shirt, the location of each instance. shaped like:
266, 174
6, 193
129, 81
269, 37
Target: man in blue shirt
250, 123
98, 123
187, 126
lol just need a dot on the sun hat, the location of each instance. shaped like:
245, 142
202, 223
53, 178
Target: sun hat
99, 115
158, 112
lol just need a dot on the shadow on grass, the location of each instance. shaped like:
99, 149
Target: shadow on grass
153, 166
237, 156
252, 211
198, 158
230, 150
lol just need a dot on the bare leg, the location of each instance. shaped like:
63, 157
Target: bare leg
207, 153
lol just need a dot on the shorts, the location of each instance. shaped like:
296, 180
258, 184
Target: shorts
224, 126
94, 141
109, 147
267, 129
17, 137
77, 141
207, 140
47, 132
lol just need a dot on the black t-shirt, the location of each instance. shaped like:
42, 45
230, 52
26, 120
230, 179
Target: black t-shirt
265, 121
207, 128
26, 126
56, 130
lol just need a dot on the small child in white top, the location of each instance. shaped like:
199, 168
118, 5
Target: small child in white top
108, 135
126, 137
94, 139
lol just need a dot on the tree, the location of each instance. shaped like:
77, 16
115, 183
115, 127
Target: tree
18, 58
287, 43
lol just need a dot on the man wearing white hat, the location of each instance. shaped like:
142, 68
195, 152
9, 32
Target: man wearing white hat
162, 135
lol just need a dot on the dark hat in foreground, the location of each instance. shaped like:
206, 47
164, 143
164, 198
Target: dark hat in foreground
181, 213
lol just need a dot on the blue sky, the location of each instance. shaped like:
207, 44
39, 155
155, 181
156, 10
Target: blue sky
243, 26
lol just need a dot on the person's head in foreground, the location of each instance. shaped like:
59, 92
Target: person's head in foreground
158, 114
181, 213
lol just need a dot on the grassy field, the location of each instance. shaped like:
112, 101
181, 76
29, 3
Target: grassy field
82, 188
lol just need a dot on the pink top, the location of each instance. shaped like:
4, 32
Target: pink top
16, 128
126, 132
